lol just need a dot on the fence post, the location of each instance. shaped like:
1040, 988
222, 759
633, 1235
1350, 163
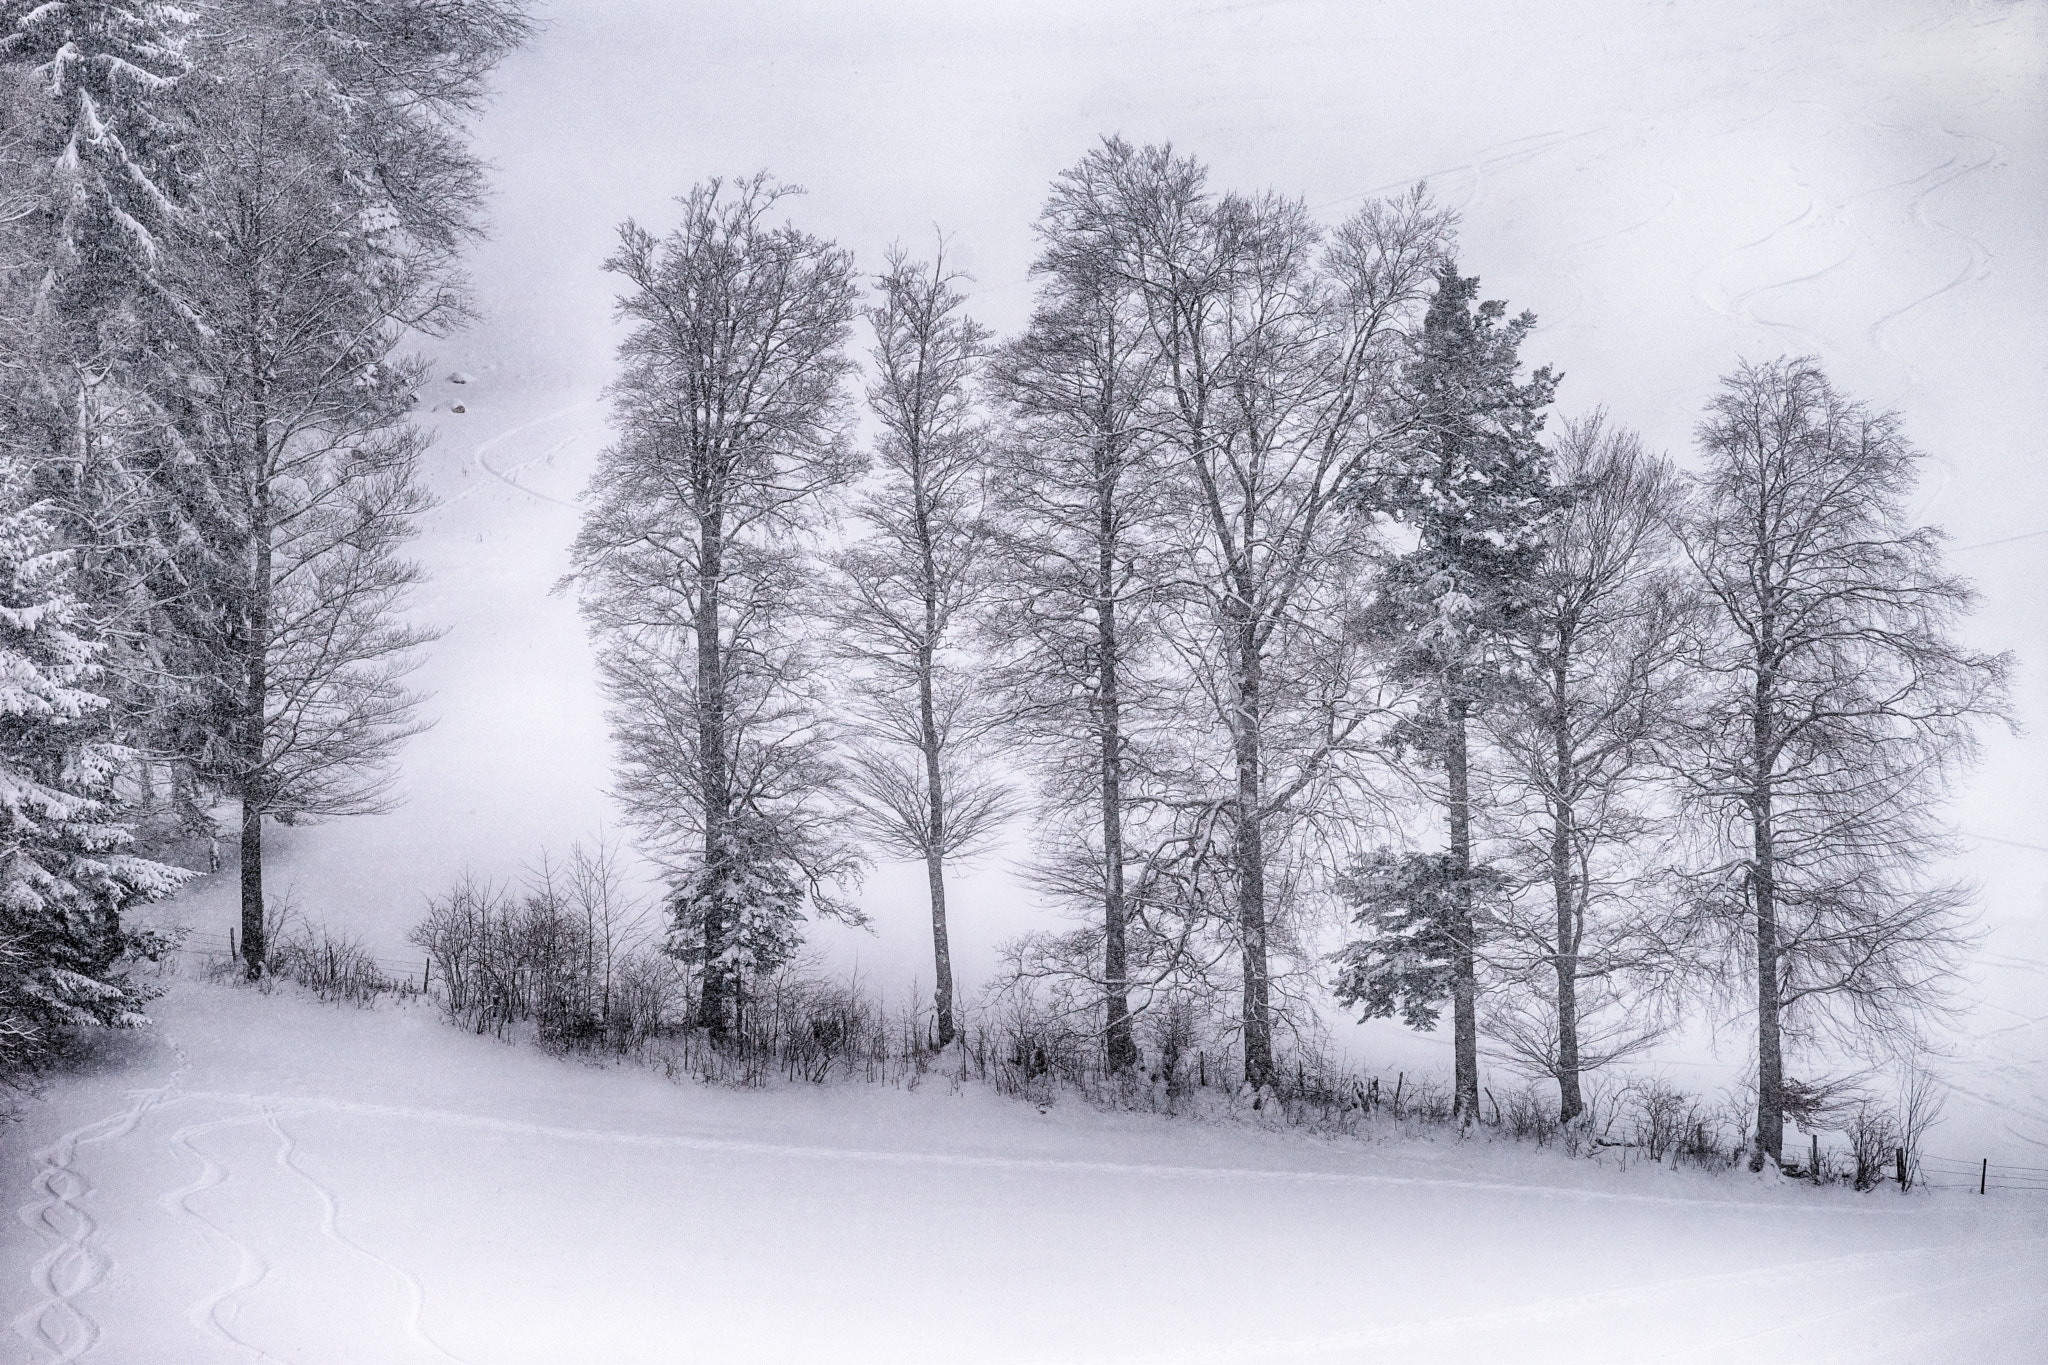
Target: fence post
1813, 1164
1902, 1169
1983, 1175
231, 943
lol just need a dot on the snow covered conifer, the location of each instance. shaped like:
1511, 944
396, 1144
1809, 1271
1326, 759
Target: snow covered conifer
65, 871
112, 67
753, 901
1417, 910
1474, 485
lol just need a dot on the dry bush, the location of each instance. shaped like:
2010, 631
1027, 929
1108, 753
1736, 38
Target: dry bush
1530, 1115
336, 966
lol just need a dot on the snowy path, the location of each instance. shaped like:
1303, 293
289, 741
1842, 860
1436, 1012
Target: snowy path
266, 1179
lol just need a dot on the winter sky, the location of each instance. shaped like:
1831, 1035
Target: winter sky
1670, 187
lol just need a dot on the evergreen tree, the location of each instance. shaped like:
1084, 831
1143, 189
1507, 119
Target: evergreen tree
738, 919
112, 68
66, 873
1417, 910
1472, 483
89, 408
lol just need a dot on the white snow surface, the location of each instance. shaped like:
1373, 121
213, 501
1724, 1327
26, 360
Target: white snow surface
266, 1178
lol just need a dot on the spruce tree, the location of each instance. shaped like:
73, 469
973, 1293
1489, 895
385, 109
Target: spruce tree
89, 406
1472, 484
66, 872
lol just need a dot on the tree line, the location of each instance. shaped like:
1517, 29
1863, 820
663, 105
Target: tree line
219, 224
1250, 571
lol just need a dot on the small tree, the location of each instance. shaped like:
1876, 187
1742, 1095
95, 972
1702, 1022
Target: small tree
1836, 707
755, 900
731, 416
909, 587
1420, 912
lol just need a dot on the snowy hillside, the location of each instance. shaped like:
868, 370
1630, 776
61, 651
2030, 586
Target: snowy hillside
266, 1178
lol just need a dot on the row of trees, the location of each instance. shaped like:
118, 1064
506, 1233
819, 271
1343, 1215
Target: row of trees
218, 224
1250, 547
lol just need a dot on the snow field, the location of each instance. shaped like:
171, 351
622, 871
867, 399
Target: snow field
266, 1178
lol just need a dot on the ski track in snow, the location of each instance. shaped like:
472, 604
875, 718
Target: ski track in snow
1978, 260
251, 1270
505, 476
56, 1211
330, 1215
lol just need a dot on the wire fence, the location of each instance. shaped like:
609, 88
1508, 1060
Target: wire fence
1983, 1175
227, 947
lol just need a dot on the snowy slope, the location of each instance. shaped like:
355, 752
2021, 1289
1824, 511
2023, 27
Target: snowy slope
266, 1178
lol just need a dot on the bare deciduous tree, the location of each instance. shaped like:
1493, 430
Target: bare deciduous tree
1279, 351
1076, 625
1585, 735
1836, 706
694, 570
303, 264
920, 782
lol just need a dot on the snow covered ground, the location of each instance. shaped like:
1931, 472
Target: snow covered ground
267, 1178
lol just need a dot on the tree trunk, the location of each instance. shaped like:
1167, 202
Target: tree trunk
1250, 854
935, 857
713, 780
928, 732
256, 679
1571, 1102
1770, 1062
1120, 1046
1464, 975
254, 948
